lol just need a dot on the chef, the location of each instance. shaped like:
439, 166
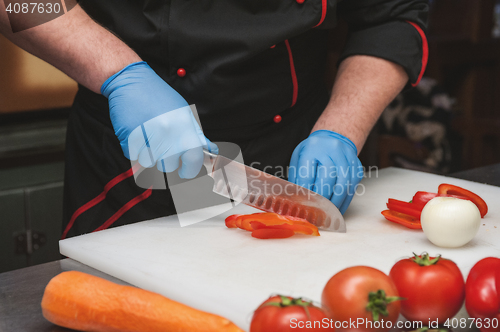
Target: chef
253, 68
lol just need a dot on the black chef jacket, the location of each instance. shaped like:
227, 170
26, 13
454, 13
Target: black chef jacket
253, 68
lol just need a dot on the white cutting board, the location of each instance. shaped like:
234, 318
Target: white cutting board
227, 272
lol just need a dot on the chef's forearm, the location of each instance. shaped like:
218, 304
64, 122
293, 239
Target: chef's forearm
363, 88
76, 45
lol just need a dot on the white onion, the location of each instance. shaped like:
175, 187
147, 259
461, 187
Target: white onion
450, 222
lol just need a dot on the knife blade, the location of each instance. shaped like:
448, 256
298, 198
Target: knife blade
269, 193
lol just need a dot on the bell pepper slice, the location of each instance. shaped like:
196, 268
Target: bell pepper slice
297, 229
449, 189
402, 219
243, 222
270, 233
404, 207
271, 221
301, 226
231, 221
422, 197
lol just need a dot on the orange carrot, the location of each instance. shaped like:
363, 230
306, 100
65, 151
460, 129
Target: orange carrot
84, 302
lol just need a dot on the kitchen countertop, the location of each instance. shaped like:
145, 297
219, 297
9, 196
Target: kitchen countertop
21, 290
487, 174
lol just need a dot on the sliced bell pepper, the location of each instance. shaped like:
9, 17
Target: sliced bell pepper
275, 220
270, 233
408, 213
403, 219
231, 221
449, 189
243, 222
422, 197
297, 229
404, 207
257, 221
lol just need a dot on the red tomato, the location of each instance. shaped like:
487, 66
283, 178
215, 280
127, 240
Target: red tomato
482, 294
434, 288
283, 314
362, 293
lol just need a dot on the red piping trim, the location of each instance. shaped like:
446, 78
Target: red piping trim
425, 51
294, 75
130, 204
99, 198
323, 12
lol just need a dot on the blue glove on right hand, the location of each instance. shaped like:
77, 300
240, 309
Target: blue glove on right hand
327, 163
154, 124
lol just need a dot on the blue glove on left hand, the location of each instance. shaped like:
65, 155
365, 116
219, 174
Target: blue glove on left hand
327, 163
153, 122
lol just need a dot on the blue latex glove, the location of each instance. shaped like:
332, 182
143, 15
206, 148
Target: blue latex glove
154, 124
327, 163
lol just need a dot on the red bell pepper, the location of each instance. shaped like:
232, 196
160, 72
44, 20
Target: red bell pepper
271, 233
274, 220
422, 197
449, 189
408, 213
271, 221
297, 229
231, 221
404, 207
403, 219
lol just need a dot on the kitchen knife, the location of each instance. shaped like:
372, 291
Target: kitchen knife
265, 192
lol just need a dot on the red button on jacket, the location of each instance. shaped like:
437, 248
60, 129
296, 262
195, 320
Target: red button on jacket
181, 72
277, 118
300, 1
